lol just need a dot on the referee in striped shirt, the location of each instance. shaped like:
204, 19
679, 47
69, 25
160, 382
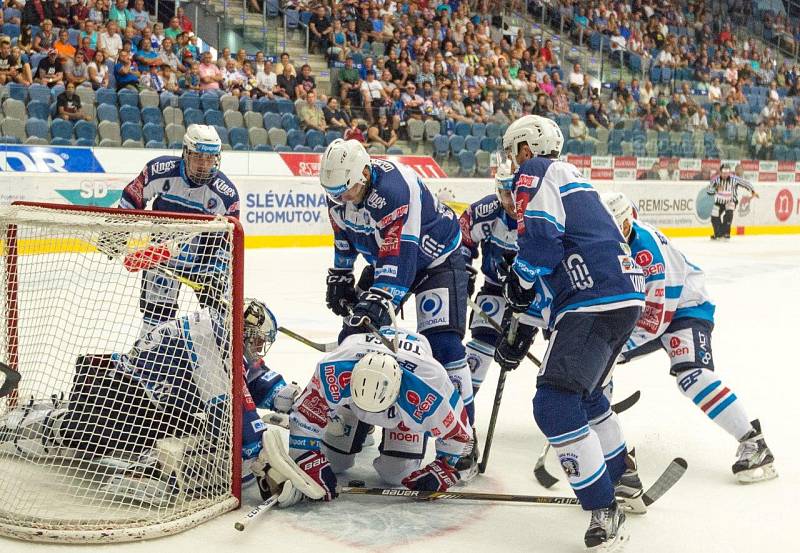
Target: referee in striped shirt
725, 189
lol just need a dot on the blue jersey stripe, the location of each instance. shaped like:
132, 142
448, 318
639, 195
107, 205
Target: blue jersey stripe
575, 185
602, 301
673, 292
536, 214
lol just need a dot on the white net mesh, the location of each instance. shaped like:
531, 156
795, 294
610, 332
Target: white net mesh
121, 325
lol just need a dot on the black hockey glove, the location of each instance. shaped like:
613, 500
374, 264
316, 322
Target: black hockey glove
510, 355
373, 307
472, 275
504, 266
341, 293
517, 297
366, 279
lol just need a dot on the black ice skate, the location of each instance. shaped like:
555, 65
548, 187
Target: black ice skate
629, 491
607, 530
755, 459
467, 466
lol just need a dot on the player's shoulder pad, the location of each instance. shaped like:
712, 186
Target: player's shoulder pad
417, 397
162, 166
485, 209
561, 173
388, 199
334, 378
647, 247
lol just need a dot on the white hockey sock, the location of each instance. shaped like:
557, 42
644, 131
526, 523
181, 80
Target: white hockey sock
609, 432
479, 358
716, 400
458, 371
581, 456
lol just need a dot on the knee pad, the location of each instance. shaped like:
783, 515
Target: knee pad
392, 470
558, 411
480, 355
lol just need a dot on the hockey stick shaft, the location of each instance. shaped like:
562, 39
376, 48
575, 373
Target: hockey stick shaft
498, 397
310, 343
468, 496
262, 508
9, 379
481, 313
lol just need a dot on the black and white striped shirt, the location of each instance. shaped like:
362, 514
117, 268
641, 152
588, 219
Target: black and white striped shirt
726, 189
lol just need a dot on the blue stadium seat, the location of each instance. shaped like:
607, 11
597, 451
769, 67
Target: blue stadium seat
295, 137
223, 134
478, 130
488, 144
272, 8
39, 110
463, 129
441, 146
189, 100
209, 100
155, 144
151, 114
74, 36
466, 163
107, 112
61, 128
11, 31
214, 117
128, 97
129, 114
17, 91
239, 138
284, 106
168, 99
289, 122
301, 148
37, 128
40, 93
106, 96
9, 140
394, 151
493, 130
282, 148
292, 18
85, 131
272, 120
263, 148
330, 136
456, 144
314, 138
472, 144
153, 132
130, 131
193, 116
61, 141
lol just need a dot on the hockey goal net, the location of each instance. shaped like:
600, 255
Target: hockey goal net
126, 328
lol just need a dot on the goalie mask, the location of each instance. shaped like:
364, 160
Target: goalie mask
202, 149
260, 329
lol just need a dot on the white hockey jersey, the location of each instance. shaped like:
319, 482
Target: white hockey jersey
428, 403
675, 288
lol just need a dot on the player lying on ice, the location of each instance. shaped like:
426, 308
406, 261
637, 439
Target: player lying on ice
145, 415
361, 384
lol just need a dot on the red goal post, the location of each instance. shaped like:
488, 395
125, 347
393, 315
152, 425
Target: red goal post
66, 297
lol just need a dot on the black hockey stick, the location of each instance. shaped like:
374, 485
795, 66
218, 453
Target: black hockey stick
8, 379
470, 496
670, 476
325, 348
540, 471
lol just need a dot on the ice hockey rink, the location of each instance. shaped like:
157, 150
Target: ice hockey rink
755, 282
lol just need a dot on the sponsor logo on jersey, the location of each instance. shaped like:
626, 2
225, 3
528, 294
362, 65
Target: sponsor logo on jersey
482, 210
578, 272
650, 320
383, 164
212, 204
393, 216
342, 245
258, 425
527, 180
569, 462
659, 292
677, 348
390, 247
433, 309
628, 265
386, 270
448, 420
224, 188
399, 436
314, 409
335, 382
234, 207
376, 201
652, 270
644, 258
422, 407
431, 246
162, 167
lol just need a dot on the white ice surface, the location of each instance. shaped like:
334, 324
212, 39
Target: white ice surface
755, 282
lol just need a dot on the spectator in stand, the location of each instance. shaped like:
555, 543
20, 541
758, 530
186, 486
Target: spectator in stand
577, 82
210, 75
110, 42
698, 122
541, 107
90, 31
24, 75
266, 81
183, 21
126, 73
68, 105
321, 29
151, 79
170, 79
503, 112
76, 70
381, 132
45, 38
174, 29
50, 71
119, 13
286, 84
12, 12
354, 132
98, 13
373, 96
310, 114
232, 78
285, 62
8, 63
578, 129
25, 40
79, 13
166, 55
761, 142
335, 119
412, 102
145, 56
191, 79
305, 83
662, 122
36, 12
99, 76
349, 80
730, 113
139, 16
596, 115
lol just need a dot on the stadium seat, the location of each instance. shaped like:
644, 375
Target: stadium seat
109, 130
175, 132
289, 122
463, 129
284, 106
214, 117
376, 149
394, 151
131, 134
478, 130
239, 138
223, 134
193, 116
168, 99
39, 110
330, 136
153, 132
86, 131
482, 163
228, 102
151, 114
106, 96
314, 138
11, 30
295, 137
14, 128
128, 97
209, 100
253, 119
416, 130
37, 131
149, 98
466, 163
40, 93
130, 114
263, 148
302, 148
272, 121
17, 91
494, 130
107, 112
472, 144
278, 137
86, 94
257, 136
61, 128
156, 145
189, 100
233, 119
457, 143
172, 115
441, 146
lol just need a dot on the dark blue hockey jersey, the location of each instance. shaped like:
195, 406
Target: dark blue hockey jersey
400, 228
164, 182
569, 240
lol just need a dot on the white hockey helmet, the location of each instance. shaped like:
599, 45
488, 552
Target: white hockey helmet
541, 135
552, 136
620, 208
260, 329
375, 382
342, 167
202, 150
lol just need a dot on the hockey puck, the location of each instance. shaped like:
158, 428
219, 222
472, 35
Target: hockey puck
356, 483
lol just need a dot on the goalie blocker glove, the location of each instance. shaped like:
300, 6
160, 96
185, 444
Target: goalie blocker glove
510, 355
373, 307
341, 292
437, 476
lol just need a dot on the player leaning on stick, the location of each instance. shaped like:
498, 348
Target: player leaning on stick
569, 242
191, 183
362, 383
382, 210
679, 317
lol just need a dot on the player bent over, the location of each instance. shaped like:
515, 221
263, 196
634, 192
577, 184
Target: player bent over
679, 318
489, 227
569, 242
148, 415
381, 210
361, 384
192, 184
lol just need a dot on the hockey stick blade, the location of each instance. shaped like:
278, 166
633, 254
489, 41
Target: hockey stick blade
670, 476
540, 471
325, 348
262, 508
8, 379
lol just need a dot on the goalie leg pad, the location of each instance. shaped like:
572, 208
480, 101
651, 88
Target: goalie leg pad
283, 468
